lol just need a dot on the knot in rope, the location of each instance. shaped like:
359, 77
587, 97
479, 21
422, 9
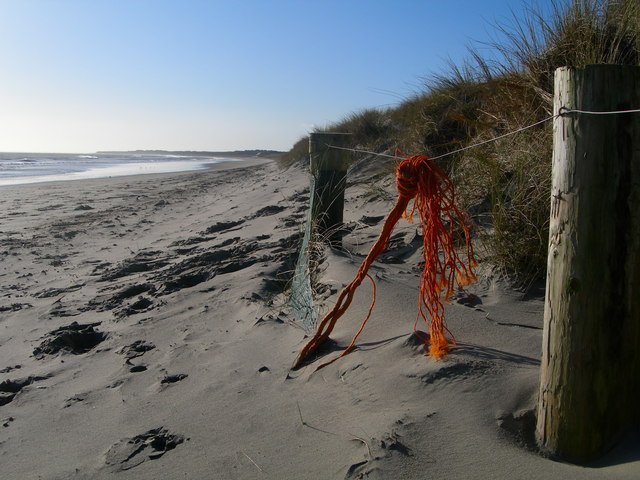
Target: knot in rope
407, 173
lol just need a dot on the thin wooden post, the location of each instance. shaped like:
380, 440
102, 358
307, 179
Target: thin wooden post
329, 168
590, 371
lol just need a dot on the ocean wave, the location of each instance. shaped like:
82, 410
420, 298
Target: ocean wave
89, 171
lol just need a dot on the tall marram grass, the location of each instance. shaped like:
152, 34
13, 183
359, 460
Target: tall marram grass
505, 184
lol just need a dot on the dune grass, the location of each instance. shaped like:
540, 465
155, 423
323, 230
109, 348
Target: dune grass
505, 184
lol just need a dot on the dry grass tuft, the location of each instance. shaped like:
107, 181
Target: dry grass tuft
505, 184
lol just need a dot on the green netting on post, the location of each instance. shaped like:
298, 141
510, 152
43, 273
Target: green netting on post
301, 300
328, 169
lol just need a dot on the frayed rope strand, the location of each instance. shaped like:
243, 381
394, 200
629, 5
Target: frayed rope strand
417, 178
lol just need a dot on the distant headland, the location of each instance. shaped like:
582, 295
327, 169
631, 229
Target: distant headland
191, 153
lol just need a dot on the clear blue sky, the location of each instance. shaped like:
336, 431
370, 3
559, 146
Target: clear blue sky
88, 75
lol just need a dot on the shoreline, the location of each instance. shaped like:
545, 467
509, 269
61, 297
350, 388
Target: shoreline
222, 165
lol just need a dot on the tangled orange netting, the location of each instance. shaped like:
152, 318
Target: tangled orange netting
420, 178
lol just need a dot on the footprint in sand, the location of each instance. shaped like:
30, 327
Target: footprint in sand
74, 338
151, 445
135, 350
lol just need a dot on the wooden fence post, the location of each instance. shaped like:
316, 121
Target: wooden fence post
329, 168
590, 372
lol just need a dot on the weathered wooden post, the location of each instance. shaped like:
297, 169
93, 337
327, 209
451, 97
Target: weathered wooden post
590, 373
329, 168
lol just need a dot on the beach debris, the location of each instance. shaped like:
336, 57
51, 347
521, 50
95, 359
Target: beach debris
443, 222
75, 338
151, 445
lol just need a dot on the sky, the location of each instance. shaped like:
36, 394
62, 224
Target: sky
217, 75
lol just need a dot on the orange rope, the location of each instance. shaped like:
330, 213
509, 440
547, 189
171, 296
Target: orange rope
416, 177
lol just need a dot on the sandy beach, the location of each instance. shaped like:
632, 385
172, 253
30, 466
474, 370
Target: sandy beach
144, 334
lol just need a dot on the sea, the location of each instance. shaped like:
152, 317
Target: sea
26, 168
